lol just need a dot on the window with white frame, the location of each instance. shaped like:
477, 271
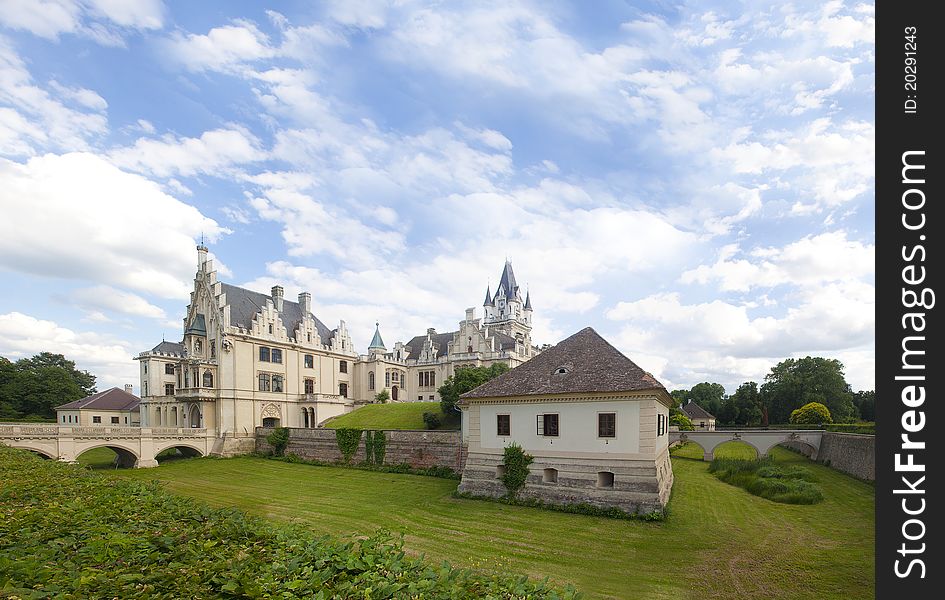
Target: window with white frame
548, 425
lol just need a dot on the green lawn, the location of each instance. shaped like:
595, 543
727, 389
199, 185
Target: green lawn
718, 542
401, 415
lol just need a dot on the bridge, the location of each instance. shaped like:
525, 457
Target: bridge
135, 446
762, 440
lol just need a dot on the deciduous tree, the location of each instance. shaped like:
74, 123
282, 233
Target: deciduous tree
792, 383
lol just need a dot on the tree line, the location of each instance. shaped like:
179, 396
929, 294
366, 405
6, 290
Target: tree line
791, 384
32, 388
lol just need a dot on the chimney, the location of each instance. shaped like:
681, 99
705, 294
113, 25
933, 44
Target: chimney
470, 314
305, 303
277, 293
129, 389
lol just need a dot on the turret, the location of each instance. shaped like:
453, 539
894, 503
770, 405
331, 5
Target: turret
377, 344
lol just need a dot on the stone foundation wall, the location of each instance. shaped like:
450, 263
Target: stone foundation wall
419, 449
638, 486
851, 453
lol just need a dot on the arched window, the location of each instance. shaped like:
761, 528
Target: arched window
207, 379
370, 380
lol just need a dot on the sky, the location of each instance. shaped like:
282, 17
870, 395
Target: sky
692, 179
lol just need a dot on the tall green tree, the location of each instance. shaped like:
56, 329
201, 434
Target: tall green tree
747, 403
794, 382
865, 402
708, 395
31, 388
464, 380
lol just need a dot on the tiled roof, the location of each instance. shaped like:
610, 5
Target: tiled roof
169, 348
589, 364
245, 304
440, 340
694, 411
113, 399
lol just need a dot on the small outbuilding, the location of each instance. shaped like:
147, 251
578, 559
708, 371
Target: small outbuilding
111, 408
595, 423
701, 419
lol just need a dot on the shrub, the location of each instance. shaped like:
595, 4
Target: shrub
279, 440
516, 468
811, 413
761, 477
132, 539
380, 447
348, 439
368, 446
682, 421
431, 420
382, 397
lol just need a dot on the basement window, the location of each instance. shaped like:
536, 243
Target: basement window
550, 476
500, 472
605, 479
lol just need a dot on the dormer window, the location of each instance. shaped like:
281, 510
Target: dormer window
561, 371
198, 347
270, 329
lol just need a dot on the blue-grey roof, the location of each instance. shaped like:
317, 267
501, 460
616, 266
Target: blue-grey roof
528, 301
198, 326
488, 301
377, 342
245, 304
508, 282
169, 348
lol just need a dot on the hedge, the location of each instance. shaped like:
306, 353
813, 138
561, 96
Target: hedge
69, 533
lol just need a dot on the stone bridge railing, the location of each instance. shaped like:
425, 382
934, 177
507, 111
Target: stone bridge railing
762, 440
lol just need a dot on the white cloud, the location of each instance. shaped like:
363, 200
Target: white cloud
213, 153
36, 118
222, 48
810, 261
110, 360
76, 216
106, 298
94, 19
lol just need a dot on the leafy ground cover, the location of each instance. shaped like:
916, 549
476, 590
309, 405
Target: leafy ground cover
67, 532
718, 541
403, 415
790, 484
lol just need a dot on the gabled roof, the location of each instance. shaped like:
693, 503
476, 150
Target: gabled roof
169, 348
589, 362
694, 411
377, 342
244, 304
113, 399
441, 340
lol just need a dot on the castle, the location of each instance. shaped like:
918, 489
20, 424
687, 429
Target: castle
248, 360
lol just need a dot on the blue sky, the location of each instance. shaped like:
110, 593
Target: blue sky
694, 180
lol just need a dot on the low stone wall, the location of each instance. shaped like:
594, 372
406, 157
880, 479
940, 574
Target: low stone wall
419, 449
852, 453
638, 486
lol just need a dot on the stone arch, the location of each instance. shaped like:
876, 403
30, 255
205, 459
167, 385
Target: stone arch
758, 452
803, 446
394, 393
271, 415
187, 449
305, 421
311, 417
193, 418
127, 458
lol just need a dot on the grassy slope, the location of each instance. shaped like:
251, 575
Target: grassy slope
719, 541
402, 415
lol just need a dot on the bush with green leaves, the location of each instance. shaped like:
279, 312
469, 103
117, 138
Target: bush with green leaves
516, 463
379, 450
762, 477
348, 439
812, 413
682, 421
71, 533
431, 420
279, 440
382, 397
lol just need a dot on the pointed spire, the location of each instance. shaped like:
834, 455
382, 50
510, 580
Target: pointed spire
488, 301
528, 300
507, 281
377, 343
